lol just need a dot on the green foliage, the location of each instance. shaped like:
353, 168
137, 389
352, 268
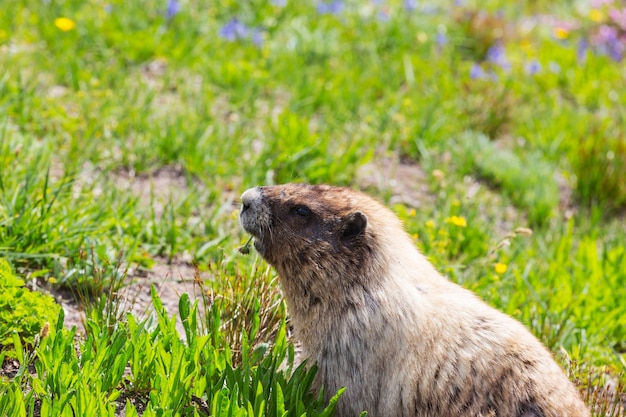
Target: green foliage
22, 312
168, 375
528, 181
567, 302
488, 108
328, 158
7, 277
599, 163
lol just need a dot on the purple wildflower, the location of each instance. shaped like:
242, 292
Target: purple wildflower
607, 40
618, 17
616, 51
581, 51
279, 3
533, 67
233, 30
334, 7
477, 72
606, 34
554, 67
496, 55
173, 7
383, 15
257, 37
410, 5
441, 39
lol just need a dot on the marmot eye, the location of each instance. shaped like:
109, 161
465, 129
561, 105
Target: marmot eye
301, 211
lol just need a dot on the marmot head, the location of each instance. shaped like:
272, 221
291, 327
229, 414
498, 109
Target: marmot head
316, 233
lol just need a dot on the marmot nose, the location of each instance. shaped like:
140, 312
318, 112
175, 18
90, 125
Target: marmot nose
248, 198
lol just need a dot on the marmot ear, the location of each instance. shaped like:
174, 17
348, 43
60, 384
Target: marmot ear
353, 225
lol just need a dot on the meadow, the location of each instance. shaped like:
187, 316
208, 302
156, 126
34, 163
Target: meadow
495, 130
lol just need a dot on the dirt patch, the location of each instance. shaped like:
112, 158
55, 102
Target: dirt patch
405, 182
10, 368
403, 179
169, 280
156, 188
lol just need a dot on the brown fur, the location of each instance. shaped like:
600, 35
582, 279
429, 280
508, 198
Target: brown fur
380, 320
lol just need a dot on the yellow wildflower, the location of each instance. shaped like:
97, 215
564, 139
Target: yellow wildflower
596, 15
52, 280
561, 32
415, 236
526, 46
438, 174
430, 224
457, 221
398, 117
64, 23
412, 213
500, 268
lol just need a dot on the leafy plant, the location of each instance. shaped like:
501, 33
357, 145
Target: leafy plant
149, 362
22, 311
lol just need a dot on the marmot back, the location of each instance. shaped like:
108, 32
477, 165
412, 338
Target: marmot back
378, 319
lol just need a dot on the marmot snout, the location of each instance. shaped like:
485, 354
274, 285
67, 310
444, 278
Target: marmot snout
378, 319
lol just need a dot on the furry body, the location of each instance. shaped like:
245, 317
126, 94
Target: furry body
378, 318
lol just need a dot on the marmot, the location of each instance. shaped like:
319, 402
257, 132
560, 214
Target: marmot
378, 319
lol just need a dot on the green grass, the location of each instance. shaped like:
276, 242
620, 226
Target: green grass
92, 119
